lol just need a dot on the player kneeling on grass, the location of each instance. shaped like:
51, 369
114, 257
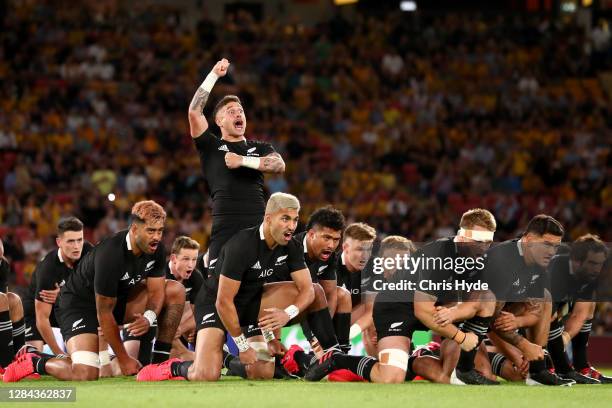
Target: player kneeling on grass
106, 290
233, 298
12, 328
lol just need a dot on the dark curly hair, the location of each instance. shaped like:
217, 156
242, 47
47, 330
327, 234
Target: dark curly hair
328, 217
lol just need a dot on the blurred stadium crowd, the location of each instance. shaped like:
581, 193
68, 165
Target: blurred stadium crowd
404, 126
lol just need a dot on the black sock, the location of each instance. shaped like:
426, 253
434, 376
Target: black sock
580, 344
321, 324
556, 348
180, 368
307, 332
39, 364
237, 368
161, 352
227, 358
342, 325
18, 334
536, 366
279, 371
497, 363
361, 366
6, 339
479, 326
146, 346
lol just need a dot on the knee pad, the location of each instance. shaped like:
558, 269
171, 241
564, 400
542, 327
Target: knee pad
88, 358
394, 357
261, 349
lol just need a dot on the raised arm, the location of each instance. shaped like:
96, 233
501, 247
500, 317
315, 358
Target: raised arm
197, 121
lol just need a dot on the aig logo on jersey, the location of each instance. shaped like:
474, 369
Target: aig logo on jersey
266, 273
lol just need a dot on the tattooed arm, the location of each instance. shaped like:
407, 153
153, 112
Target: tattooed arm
272, 163
197, 120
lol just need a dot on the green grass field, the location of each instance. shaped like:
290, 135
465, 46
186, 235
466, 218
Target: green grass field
235, 392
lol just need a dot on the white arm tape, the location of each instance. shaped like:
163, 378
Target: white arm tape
251, 162
355, 331
104, 358
209, 82
241, 343
268, 335
150, 316
292, 311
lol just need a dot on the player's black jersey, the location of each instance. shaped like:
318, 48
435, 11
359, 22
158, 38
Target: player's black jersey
233, 191
441, 266
5, 269
319, 270
111, 269
248, 259
508, 277
50, 271
192, 284
355, 282
565, 286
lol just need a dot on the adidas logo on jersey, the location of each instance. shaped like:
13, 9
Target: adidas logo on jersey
126, 276
256, 266
223, 148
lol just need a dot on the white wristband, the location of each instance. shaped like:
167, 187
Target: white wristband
252, 162
241, 343
292, 311
150, 316
268, 335
355, 331
209, 82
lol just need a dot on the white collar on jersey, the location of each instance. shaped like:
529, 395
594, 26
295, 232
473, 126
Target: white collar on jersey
520, 248
261, 234
127, 241
59, 255
304, 243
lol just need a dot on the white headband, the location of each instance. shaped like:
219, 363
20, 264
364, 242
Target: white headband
481, 236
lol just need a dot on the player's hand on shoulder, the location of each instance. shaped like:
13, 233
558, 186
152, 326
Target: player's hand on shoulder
221, 67
50, 296
233, 160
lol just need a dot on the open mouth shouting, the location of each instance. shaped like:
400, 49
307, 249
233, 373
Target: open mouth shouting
325, 254
239, 125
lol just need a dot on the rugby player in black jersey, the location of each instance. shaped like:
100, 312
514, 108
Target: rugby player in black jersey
394, 327
357, 243
573, 283
182, 268
515, 271
107, 290
436, 306
233, 166
233, 298
40, 302
12, 327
